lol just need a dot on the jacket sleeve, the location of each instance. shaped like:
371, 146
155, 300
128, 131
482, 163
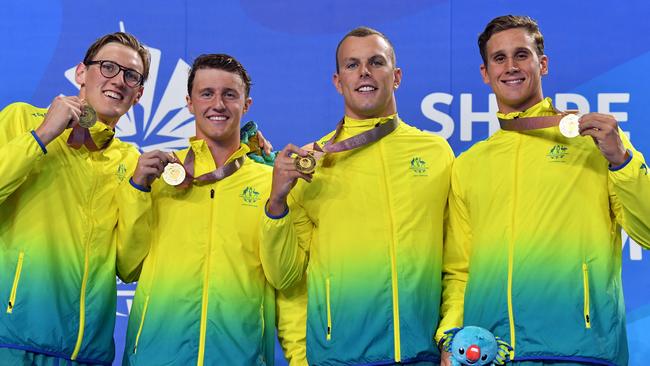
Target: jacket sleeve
629, 192
291, 308
19, 150
285, 243
134, 222
455, 267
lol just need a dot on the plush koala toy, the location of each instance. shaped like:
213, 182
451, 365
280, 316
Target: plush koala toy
475, 346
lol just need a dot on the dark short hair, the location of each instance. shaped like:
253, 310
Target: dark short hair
219, 61
364, 32
125, 39
505, 22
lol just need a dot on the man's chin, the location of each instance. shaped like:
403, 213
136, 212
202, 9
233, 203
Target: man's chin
109, 118
367, 112
514, 95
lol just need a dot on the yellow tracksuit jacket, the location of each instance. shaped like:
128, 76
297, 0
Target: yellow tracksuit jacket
533, 250
202, 296
59, 234
368, 230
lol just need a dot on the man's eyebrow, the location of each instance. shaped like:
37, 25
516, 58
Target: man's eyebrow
518, 49
230, 90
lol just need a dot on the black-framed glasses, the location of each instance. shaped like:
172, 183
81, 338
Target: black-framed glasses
109, 69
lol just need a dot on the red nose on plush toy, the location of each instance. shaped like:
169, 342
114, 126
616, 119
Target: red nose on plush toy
473, 353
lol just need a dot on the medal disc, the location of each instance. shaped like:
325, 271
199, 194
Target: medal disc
88, 117
305, 164
174, 174
569, 126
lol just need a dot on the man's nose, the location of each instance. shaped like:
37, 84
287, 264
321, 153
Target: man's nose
364, 70
512, 65
218, 104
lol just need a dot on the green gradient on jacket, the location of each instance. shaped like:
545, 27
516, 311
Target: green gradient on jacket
535, 221
371, 220
203, 268
58, 209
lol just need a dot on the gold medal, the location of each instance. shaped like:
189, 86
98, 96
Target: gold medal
305, 164
88, 116
174, 174
569, 126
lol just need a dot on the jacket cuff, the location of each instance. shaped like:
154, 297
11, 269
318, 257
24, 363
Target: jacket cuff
38, 140
625, 163
138, 187
275, 217
634, 170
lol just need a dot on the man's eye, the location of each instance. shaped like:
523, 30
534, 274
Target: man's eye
108, 67
132, 76
351, 66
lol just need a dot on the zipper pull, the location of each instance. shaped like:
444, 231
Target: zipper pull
212, 193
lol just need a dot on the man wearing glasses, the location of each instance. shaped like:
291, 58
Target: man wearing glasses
64, 200
110, 69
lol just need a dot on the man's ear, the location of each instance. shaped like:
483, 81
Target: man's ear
247, 104
138, 95
337, 83
543, 64
190, 106
484, 74
80, 74
397, 74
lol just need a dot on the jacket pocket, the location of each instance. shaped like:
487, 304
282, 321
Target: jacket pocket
144, 314
14, 287
585, 284
329, 309
262, 320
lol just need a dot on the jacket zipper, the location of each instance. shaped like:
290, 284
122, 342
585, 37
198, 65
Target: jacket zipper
585, 281
14, 287
393, 264
84, 281
511, 250
206, 280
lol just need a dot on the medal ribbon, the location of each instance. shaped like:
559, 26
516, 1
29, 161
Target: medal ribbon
533, 123
365, 138
218, 174
81, 136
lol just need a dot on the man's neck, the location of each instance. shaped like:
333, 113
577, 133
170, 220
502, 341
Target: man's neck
505, 108
221, 152
388, 111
